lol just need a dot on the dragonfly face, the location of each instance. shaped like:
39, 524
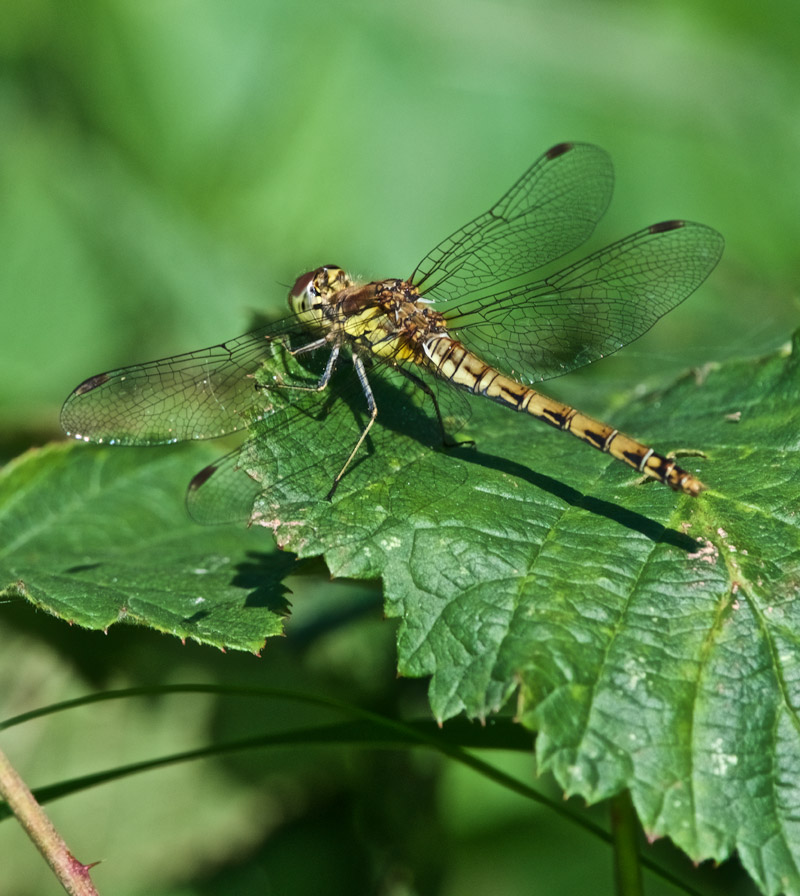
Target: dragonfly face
472, 315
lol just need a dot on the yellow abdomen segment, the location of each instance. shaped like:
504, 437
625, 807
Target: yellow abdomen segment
452, 361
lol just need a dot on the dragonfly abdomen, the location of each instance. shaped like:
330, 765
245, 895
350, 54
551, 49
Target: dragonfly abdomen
453, 361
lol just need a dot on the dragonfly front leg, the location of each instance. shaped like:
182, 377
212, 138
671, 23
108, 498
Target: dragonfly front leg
326, 373
373, 413
309, 347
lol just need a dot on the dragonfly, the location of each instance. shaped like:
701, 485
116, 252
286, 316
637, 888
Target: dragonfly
480, 313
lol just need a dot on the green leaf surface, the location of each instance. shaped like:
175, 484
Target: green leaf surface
98, 536
653, 636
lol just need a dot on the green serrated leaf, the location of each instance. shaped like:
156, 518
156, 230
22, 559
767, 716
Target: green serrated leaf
653, 636
98, 536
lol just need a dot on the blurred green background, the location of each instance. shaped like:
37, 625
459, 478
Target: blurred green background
168, 168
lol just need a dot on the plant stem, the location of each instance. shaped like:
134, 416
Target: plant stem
624, 831
73, 875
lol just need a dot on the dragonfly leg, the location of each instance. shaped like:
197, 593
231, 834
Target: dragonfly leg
326, 373
310, 347
447, 441
373, 413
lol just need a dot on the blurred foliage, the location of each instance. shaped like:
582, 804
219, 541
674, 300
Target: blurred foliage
166, 170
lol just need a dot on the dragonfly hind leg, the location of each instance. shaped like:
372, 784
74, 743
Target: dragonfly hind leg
323, 382
447, 440
372, 407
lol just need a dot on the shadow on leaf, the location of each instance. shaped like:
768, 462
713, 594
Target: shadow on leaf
628, 518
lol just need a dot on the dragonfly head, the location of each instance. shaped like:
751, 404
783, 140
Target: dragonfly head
313, 292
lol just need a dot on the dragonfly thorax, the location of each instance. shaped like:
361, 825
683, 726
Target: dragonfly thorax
385, 318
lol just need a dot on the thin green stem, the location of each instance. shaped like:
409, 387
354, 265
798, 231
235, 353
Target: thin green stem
366, 729
73, 875
625, 834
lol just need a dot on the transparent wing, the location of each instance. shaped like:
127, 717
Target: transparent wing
591, 308
550, 210
197, 395
295, 455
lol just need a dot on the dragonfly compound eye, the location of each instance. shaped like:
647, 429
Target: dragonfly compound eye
303, 291
308, 296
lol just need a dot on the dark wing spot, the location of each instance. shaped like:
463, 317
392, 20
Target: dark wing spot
202, 477
558, 150
92, 383
664, 226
